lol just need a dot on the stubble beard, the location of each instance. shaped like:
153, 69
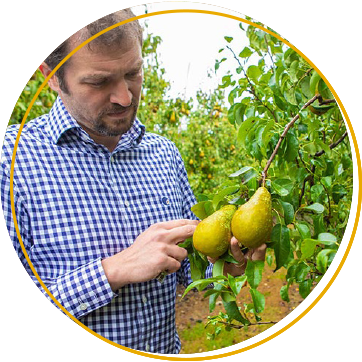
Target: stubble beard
118, 126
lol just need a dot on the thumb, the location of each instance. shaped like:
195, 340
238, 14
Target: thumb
236, 251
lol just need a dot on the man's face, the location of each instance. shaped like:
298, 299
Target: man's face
104, 88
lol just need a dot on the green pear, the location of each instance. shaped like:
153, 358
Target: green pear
252, 222
213, 234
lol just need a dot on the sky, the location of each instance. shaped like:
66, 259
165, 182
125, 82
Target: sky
190, 45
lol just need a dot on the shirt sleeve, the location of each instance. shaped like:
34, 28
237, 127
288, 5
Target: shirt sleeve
80, 291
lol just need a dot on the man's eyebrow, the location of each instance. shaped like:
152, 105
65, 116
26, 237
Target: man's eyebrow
139, 64
100, 76
89, 77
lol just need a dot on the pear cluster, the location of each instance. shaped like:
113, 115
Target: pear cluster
251, 224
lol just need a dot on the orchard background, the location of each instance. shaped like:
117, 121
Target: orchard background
272, 120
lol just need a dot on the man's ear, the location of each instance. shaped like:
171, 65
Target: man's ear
53, 81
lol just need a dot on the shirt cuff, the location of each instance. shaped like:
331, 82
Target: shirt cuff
84, 289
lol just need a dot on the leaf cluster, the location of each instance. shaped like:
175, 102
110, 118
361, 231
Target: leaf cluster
309, 177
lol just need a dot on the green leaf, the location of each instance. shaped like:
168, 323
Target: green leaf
241, 171
292, 146
267, 134
288, 211
236, 283
214, 296
280, 242
218, 268
233, 312
301, 272
280, 103
282, 186
254, 73
305, 288
338, 192
228, 296
222, 194
258, 300
289, 94
202, 209
324, 258
316, 207
316, 191
199, 284
307, 248
284, 293
314, 83
327, 239
228, 38
244, 129
304, 230
245, 53
293, 71
254, 272
198, 265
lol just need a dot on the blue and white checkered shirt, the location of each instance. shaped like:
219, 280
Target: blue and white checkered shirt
77, 203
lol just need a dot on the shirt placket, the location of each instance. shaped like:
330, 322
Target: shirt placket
120, 189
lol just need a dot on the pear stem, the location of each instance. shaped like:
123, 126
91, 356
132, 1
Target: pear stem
283, 135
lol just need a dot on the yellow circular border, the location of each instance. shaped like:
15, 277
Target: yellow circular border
339, 266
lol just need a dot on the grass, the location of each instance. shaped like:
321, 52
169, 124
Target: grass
196, 341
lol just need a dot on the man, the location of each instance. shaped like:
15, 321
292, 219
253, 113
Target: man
101, 205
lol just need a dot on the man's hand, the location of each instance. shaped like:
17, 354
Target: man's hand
252, 254
154, 251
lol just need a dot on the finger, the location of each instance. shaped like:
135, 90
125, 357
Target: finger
171, 224
259, 253
236, 251
177, 253
172, 265
179, 234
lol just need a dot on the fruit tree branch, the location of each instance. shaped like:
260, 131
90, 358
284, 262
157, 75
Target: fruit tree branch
286, 129
239, 326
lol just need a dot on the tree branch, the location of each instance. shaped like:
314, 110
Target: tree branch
286, 129
333, 145
310, 177
237, 326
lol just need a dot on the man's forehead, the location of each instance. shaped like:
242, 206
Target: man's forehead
100, 52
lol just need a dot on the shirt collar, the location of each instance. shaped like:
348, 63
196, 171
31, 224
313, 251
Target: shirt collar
61, 121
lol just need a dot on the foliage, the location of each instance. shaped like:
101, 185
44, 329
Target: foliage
42, 105
294, 141
199, 128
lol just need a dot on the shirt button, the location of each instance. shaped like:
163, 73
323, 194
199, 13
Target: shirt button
83, 306
147, 347
127, 203
144, 300
112, 159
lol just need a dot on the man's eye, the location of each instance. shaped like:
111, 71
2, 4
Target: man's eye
134, 74
98, 84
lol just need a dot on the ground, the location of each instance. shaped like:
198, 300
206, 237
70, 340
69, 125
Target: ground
192, 312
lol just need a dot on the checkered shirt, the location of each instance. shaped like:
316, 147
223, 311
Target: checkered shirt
76, 203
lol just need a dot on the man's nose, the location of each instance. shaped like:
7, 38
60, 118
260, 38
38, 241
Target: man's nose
121, 94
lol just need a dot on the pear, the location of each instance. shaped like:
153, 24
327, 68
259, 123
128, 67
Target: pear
213, 234
252, 222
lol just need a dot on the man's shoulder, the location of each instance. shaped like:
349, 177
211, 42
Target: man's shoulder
31, 128
31, 131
